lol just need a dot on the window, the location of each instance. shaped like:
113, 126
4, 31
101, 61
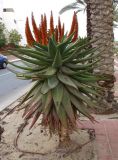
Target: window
15, 21
8, 10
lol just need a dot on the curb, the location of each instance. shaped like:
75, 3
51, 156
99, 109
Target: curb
15, 60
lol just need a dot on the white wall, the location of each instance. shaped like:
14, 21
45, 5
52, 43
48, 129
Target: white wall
8, 17
1, 9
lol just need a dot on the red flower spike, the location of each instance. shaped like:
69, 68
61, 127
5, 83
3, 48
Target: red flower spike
45, 21
51, 24
41, 20
35, 29
29, 36
45, 28
56, 34
42, 30
59, 28
40, 34
76, 31
72, 25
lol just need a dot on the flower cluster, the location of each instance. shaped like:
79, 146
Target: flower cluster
42, 34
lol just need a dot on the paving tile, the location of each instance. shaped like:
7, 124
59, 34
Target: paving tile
106, 138
105, 158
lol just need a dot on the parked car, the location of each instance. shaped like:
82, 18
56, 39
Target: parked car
3, 61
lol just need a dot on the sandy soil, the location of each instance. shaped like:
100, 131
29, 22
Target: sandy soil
37, 140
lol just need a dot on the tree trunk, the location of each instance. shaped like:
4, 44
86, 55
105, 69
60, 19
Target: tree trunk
88, 11
1, 132
64, 139
101, 12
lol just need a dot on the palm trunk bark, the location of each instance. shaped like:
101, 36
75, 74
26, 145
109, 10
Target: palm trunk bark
101, 17
88, 11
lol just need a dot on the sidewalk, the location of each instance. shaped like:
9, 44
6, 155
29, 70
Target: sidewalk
12, 58
106, 132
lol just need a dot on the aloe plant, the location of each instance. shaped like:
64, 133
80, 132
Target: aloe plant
59, 64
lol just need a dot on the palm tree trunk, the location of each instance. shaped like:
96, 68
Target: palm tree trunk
88, 11
101, 12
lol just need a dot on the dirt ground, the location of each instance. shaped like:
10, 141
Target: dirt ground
39, 142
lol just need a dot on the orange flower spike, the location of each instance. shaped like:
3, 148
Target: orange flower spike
42, 30
76, 31
59, 28
51, 24
41, 20
35, 29
56, 34
72, 25
40, 34
29, 36
45, 22
45, 28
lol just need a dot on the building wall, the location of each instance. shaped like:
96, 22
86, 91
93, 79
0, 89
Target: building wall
8, 17
1, 9
7, 14
9, 20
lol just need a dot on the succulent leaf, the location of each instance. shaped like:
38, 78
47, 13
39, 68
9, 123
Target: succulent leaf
57, 94
52, 49
57, 60
53, 82
47, 102
66, 102
66, 80
45, 88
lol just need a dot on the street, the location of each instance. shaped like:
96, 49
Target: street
11, 88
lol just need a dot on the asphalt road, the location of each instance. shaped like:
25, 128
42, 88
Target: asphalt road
11, 88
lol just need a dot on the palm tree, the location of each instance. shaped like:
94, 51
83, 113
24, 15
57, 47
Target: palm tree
102, 27
100, 17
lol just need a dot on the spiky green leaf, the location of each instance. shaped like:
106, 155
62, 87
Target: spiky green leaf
66, 102
53, 82
52, 49
66, 80
45, 87
57, 94
81, 107
57, 60
46, 103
